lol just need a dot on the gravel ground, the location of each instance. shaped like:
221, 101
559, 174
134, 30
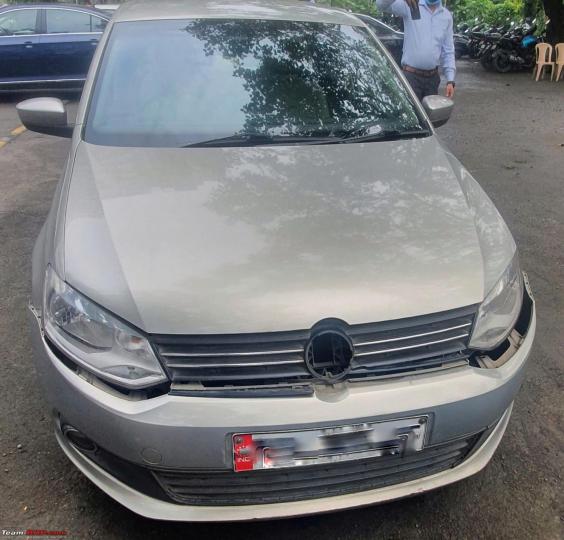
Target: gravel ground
509, 131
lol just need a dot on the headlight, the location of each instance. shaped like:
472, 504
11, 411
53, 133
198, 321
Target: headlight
499, 311
95, 339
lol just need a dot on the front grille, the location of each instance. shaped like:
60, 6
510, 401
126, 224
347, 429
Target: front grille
239, 361
227, 488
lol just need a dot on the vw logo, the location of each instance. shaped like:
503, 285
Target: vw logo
328, 355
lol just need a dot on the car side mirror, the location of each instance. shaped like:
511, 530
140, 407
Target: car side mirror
45, 115
438, 109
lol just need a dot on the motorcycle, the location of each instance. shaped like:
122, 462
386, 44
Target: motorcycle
475, 35
460, 46
462, 40
488, 45
516, 49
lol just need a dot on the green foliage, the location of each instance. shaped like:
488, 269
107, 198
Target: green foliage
509, 9
493, 12
469, 10
490, 11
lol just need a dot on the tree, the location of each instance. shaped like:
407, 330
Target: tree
554, 10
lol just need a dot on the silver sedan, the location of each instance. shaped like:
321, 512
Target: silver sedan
265, 288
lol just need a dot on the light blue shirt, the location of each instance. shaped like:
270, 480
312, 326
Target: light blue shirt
428, 42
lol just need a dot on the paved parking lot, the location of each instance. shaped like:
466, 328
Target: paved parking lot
509, 132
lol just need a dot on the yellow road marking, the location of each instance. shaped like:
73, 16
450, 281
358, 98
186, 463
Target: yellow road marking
14, 133
17, 131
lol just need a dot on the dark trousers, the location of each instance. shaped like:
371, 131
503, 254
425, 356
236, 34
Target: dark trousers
423, 86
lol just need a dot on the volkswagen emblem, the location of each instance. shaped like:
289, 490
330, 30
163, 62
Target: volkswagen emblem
328, 355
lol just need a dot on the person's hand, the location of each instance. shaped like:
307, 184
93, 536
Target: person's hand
449, 90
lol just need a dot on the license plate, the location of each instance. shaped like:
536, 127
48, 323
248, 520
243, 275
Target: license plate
277, 450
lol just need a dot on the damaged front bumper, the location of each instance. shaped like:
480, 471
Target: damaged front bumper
139, 444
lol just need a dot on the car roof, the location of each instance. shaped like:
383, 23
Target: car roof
285, 10
74, 7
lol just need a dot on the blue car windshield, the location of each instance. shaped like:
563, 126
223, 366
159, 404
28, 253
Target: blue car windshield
176, 83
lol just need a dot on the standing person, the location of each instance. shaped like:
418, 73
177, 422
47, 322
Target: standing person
428, 44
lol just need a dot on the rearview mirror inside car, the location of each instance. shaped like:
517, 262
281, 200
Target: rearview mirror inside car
45, 115
438, 109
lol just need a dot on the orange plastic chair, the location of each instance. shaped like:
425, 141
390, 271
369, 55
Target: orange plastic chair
544, 59
559, 60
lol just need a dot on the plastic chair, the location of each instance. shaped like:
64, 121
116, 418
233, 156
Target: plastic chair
544, 59
559, 60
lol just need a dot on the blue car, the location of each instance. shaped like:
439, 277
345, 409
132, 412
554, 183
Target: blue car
47, 45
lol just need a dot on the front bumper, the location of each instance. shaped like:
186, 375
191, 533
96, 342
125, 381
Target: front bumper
177, 432
157, 509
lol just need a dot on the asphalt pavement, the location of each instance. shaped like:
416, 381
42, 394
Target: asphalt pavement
509, 132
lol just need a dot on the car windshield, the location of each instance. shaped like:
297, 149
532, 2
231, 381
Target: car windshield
175, 83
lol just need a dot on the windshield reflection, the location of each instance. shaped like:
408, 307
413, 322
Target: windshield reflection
175, 83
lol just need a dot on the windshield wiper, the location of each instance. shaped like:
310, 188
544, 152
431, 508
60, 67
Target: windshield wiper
255, 139
384, 135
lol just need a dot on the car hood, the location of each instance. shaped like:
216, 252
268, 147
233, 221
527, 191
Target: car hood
273, 238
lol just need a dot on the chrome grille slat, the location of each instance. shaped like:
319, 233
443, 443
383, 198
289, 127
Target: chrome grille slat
417, 345
414, 336
219, 354
228, 365
276, 359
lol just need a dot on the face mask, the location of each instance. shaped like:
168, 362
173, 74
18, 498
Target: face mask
432, 2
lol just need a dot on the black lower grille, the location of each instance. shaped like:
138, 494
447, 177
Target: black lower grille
226, 488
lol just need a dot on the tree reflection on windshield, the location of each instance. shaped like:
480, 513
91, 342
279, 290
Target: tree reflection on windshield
230, 77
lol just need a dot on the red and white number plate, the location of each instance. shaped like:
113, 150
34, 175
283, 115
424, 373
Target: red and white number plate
276, 450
